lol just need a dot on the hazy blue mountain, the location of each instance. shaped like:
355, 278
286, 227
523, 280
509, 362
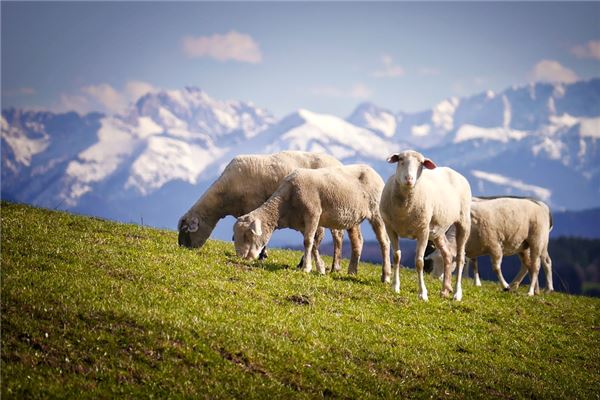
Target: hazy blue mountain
155, 159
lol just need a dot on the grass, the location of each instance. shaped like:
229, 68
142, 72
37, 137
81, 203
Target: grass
98, 309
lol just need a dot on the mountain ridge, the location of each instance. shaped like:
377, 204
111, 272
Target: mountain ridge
170, 145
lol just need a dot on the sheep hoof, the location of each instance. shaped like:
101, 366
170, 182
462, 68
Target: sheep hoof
263, 254
385, 279
548, 291
423, 296
458, 296
445, 293
507, 289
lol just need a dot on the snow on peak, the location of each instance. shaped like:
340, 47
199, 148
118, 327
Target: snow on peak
374, 118
192, 112
590, 127
420, 130
166, 159
22, 146
318, 132
443, 114
553, 148
512, 183
471, 132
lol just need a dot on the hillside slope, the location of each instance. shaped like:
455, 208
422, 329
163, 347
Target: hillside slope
99, 309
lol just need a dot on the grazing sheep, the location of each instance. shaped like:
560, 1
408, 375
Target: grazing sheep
245, 184
335, 198
422, 204
503, 226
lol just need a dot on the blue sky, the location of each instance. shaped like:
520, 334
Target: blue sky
326, 57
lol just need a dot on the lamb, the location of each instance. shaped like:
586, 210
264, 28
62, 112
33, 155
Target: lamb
245, 184
503, 226
421, 201
335, 198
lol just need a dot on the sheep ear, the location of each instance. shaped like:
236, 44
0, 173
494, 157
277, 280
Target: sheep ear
256, 227
429, 164
193, 224
393, 158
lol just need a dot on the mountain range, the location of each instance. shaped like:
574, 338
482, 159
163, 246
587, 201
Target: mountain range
151, 162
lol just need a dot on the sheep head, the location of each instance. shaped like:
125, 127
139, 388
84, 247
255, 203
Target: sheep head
250, 236
193, 231
410, 166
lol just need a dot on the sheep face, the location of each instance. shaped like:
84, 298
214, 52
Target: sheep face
410, 166
193, 231
250, 238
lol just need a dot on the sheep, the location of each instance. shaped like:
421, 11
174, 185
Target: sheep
246, 183
335, 198
421, 201
503, 226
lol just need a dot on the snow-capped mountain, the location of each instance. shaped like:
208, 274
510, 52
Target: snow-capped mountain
153, 161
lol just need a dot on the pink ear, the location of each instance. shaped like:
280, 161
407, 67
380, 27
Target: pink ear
429, 164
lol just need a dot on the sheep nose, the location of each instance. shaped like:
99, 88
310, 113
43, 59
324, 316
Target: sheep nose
409, 180
184, 239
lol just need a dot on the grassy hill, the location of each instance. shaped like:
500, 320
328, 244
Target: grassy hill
95, 309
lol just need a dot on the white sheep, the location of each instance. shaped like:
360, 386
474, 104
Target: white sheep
335, 198
421, 202
245, 184
504, 226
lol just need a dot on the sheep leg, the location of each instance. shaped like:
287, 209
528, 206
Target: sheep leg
384, 244
419, 264
310, 229
356, 243
496, 263
442, 244
338, 237
315, 250
524, 257
547, 263
534, 270
396, 254
475, 266
462, 234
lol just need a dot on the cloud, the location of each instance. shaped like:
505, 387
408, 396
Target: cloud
22, 91
230, 46
102, 97
136, 89
107, 96
590, 49
552, 71
357, 91
73, 102
389, 69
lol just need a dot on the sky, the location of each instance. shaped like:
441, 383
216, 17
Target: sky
325, 57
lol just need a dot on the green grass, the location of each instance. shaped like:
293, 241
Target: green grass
96, 309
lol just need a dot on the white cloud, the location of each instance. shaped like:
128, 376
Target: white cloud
73, 102
357, 91
552, 71
230, 46
590, 49
136, 89
107, 96
102, 97
389, 69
